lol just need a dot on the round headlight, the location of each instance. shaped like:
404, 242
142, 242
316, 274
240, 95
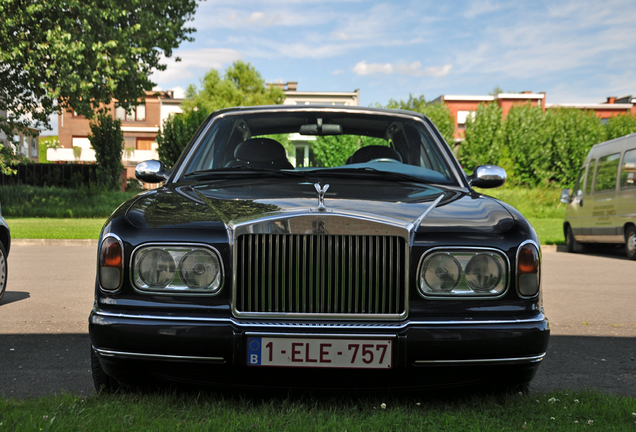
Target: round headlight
483, 273
157, 268
200, 269
441, 272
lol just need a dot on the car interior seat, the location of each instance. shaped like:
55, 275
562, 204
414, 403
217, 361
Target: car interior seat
369, 153
260, 153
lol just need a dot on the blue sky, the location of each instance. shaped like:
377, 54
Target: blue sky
576, 51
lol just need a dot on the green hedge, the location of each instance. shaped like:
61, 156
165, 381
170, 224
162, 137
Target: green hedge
55, 202
536, 147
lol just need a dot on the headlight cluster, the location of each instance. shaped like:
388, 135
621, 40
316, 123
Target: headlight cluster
180, 269
456, 273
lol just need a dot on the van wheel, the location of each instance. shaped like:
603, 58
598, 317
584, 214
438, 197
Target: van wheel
571, 244
630, 244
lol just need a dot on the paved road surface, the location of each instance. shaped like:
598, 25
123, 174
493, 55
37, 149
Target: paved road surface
44, 345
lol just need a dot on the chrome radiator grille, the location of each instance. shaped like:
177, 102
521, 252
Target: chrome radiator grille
320, 274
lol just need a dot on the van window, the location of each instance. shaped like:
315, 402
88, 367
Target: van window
606, 173
588, 178
628, 171
579, 182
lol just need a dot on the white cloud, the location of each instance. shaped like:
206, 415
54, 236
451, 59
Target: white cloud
194, 63
480, 7
409, 69
338, 72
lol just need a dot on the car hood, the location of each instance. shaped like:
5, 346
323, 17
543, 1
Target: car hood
227, 203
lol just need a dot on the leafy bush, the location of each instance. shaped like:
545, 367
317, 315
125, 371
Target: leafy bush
56, 202
570, 133
620, 125
106, 138
484, 138
525, 141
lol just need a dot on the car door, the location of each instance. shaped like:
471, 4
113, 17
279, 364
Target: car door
604, 206
627, 190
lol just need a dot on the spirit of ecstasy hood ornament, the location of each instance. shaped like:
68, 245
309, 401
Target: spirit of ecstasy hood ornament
321, 196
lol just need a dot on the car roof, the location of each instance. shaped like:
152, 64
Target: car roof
319, 107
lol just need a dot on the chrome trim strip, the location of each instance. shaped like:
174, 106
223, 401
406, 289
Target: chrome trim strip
176, 293
418, 221
460, 248
239, 323
123, 269
532, 242
532, 359
321, 335
145, 356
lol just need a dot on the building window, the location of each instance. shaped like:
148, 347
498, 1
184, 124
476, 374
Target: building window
136, 113
462, 116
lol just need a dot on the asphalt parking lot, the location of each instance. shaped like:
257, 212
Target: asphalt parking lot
44, 345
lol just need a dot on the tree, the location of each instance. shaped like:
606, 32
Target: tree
73, 54
106, 138
438, 113
176, 134
241, 85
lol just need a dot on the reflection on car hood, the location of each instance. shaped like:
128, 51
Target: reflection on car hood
226, 203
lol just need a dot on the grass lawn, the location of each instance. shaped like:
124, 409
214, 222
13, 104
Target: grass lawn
563, 411
47, 228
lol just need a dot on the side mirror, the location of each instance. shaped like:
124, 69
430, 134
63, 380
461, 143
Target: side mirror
151, 171
487, 177
565, 196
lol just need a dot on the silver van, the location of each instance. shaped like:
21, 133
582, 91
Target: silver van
602, 205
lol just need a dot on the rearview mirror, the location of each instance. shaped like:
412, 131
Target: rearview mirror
321, 129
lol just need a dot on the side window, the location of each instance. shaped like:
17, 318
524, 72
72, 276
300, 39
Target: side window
606, 173
579, 185
628, 170
588, 178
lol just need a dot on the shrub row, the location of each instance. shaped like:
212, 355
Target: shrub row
57, 202
536, 147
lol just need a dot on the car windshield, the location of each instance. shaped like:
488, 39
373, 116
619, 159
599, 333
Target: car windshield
318, 143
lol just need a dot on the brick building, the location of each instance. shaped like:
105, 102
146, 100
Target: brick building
140, 127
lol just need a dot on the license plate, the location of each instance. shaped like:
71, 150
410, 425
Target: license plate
326, 353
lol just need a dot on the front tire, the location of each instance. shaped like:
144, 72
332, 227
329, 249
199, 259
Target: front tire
4, 270
103, 383
630, 243
571, 244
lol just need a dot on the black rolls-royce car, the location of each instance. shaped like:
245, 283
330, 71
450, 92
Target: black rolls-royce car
317, 247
